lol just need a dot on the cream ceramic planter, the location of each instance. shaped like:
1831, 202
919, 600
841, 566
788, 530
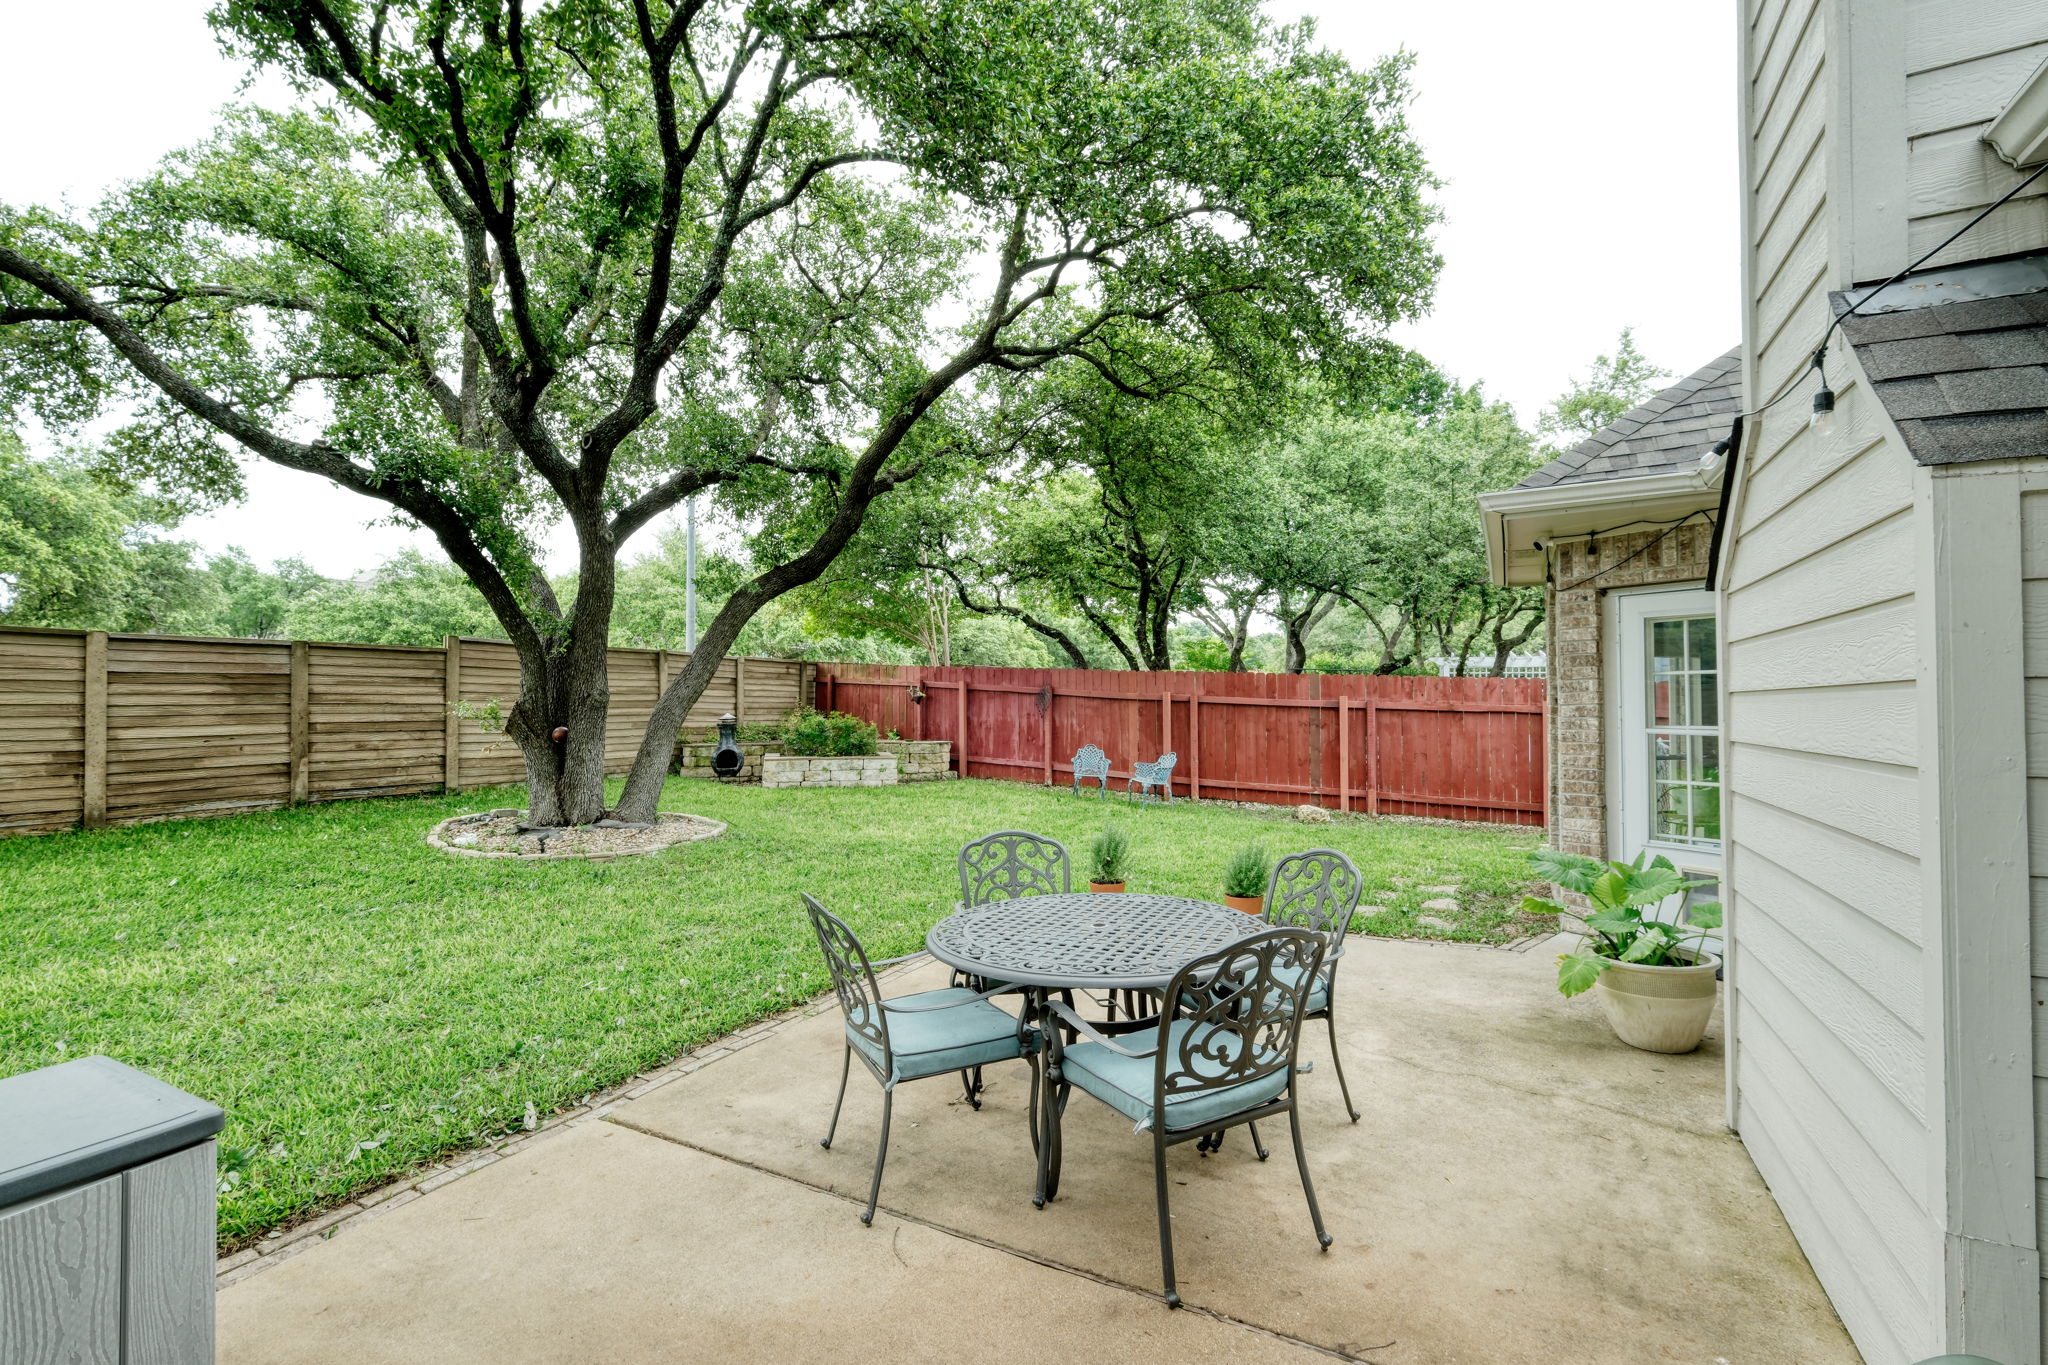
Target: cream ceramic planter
1660, 1009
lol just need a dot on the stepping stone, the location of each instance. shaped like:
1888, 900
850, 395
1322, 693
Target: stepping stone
1434, 923
1443, 903
1451, 890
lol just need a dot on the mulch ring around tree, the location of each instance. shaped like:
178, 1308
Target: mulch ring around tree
505, 833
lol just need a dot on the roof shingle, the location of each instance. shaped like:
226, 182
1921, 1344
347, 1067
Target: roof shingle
1666, 432
1964, 381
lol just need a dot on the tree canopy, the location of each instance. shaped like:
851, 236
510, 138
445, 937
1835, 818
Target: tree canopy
504, 266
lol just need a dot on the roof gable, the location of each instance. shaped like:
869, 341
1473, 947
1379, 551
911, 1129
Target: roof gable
1669, 431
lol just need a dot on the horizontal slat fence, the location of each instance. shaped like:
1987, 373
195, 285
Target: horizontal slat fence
100, 729
1453, 748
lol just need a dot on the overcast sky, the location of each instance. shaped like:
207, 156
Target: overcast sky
1588, 149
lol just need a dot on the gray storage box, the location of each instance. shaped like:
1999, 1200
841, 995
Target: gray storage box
106, 1218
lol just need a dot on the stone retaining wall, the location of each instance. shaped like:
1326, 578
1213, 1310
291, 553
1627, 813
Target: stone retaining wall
922, 760
784, 770
694, 760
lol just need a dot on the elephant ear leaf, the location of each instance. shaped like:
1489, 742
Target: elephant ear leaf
1705, 915
1654, 884
1576, 972
1615, 922
1648, 945
1572, 871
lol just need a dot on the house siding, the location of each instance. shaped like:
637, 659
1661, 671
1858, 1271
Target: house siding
1822, 634
1876, 849
1964, 62
2034, 601
1578, 650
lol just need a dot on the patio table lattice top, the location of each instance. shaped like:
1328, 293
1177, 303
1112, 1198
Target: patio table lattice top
1114, 940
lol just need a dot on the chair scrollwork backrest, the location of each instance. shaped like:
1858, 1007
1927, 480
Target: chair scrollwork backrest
853, 980
1242, 1006
1011, 864
1314, 890
1090, 761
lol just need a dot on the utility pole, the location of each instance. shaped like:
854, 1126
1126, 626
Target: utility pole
690, 574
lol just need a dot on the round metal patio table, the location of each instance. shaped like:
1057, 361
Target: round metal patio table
1090, 941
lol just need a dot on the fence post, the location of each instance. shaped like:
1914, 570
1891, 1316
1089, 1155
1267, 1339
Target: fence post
1372, 756
451, 692
1343, 752
1052, 694
962, 713
93, 799
739, 688
1195, 742
301, 721
1166, 733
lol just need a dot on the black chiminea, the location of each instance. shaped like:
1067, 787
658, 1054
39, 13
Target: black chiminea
726, 759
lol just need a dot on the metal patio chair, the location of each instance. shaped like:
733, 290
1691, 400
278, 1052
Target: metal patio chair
1146, 777
1090, 761
1226, 1056
1010, 864
1319, 890
930, 1033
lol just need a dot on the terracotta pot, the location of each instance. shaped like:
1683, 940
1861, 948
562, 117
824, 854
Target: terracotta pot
1251, 905
1105, 886
1660, 1009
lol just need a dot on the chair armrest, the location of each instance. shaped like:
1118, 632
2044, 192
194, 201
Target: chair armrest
893, 961
1095, 1034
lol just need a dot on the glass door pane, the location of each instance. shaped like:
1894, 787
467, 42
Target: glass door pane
1684, 742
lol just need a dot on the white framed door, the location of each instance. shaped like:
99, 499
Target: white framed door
1664, 730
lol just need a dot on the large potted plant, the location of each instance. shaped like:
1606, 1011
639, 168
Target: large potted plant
1657, 981
1109, 859
1245, 877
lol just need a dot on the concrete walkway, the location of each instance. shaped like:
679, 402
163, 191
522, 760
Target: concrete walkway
1523, 1187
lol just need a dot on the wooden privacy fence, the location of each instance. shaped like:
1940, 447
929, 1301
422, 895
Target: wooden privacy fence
100, 729
1454, 748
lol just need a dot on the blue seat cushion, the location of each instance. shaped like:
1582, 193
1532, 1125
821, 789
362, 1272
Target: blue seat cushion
928, 1042
1318, 995
1125, 1084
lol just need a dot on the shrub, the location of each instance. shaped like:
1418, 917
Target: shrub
1110, 856
1247, 871
821, 734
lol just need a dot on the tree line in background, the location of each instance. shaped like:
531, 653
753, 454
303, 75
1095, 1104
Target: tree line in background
1125, 534
901, 286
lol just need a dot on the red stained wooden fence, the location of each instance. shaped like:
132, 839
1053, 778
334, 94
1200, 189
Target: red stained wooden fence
1453, 748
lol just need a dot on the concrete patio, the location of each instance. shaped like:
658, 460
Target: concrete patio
1522, 1187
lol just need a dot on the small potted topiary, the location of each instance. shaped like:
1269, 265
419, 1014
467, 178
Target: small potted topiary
1109, 859
1656, 979
1245, 877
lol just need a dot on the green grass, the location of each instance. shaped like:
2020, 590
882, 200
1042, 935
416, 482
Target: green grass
361, 1004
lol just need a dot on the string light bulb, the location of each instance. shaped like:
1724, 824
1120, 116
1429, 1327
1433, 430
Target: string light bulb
1823, 419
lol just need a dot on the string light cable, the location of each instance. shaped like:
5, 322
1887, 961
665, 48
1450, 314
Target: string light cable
1670, 524
1824, 397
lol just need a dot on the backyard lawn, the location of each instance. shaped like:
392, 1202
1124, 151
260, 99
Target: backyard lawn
361, 1004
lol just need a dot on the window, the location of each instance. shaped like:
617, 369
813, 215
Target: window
1683, 737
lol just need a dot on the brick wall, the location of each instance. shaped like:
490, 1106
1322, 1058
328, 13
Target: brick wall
1578, 677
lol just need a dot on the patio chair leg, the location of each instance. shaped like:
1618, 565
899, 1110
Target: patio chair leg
1257, 1145
1307, 1187
970, 1083
1330, 1018
1165, 1219
845, 1065
882, 1155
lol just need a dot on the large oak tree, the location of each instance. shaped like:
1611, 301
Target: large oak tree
507, 265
